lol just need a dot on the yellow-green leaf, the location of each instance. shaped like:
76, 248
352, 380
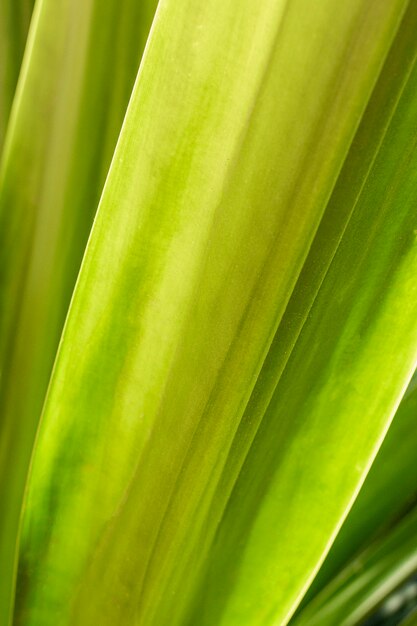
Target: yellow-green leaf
238, 126
80, 64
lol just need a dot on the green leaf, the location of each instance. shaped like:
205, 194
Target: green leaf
410, 620
78, 72
389, 490
14, 25
398, 461
341, 386
225, 164
366, 582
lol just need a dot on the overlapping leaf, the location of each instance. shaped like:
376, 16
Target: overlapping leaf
80, 64
341, 385
389, 491
221, 176
398, 461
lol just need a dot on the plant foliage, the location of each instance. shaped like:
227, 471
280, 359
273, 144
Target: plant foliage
185, 449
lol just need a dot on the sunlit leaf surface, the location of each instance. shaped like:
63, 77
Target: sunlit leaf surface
63, 128
224, 168
389, 491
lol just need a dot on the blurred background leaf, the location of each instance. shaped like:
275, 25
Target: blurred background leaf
368, 580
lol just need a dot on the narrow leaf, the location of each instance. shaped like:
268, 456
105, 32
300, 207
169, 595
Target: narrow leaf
365, 583
14, 25
390, 489
67, 115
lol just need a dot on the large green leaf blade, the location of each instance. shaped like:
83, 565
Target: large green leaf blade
205, 222
358, 168
67, 114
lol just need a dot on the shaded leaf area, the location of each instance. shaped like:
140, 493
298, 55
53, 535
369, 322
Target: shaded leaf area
367, 581
206, 219
14, 25
399, 607
410, 620
80, 64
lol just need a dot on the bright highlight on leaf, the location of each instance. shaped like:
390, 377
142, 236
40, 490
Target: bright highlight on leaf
244, 322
